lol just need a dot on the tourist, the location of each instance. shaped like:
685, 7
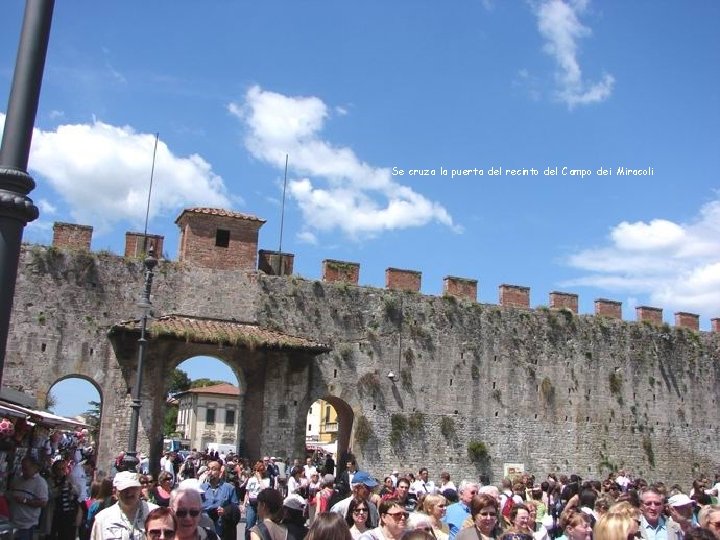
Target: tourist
422, 486
653, 520
221, 502
357, 517
28, 495
269, 504
255, 484
435, 506
64, 505
127, 516
620, 522
393, 522
575, 525
160, 494
458, 512
322, 497
329, 526
161, 523
186, 503
293, 517
362, 489
709, 518
485, 514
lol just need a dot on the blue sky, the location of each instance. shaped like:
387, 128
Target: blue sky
351, 90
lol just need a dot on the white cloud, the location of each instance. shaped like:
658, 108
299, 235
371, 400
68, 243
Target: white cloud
676, 265
46, 207
102, 172
561, 28
333, 187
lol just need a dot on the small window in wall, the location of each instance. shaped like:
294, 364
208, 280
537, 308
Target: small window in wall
222, 238
210, 416
230, 418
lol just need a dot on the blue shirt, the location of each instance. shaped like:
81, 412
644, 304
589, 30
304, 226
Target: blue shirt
219, 496
654, 533
456, 514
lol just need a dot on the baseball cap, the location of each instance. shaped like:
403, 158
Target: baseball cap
125, 479
680, 500
362, 477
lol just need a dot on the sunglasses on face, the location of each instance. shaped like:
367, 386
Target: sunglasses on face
161, 533
183, 513
397, 516
360, 511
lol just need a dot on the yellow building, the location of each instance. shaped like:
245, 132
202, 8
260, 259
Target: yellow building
322, 424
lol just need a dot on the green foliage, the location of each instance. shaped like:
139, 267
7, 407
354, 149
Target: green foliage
649, 452
92, 415
369, 384
447, 428
170, 422
477, 451
474, 372
201, 383
363, 430
547, 391
398, 428
416, 422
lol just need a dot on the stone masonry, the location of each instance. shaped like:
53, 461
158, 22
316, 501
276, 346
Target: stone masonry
549, 388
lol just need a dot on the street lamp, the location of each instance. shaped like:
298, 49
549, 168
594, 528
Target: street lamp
131, 460
16, 208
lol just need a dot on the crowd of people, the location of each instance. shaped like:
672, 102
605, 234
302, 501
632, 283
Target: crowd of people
206, 496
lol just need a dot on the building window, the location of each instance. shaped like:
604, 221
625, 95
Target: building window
309, 427
222, 238
229, 417
327, 414
210, 416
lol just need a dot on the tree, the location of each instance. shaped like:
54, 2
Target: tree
92, 415
199, 383
179, 381
170, 424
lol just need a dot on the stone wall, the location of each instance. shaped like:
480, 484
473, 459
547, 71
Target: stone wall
548, 388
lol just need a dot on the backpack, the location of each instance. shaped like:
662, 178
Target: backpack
506, 509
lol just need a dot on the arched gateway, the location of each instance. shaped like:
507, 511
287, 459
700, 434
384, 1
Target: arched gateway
268, 363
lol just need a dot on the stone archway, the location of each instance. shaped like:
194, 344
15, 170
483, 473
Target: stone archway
94, 423
270, 365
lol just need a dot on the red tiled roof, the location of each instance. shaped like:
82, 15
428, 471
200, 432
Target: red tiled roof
200, 330
219, 212
225, 389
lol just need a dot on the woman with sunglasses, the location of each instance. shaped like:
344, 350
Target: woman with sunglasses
484, 511
393, 522
357, 517
186, 504
160, 494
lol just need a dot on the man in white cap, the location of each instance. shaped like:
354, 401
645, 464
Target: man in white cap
126, 518
680, 508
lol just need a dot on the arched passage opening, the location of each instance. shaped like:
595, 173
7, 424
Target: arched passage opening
77, 397
204, 406
328, 430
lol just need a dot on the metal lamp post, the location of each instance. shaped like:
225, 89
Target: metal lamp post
16, 208
131, 460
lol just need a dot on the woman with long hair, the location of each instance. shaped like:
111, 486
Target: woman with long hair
485, 512
620, 522
329, 526
575, 525
357, 517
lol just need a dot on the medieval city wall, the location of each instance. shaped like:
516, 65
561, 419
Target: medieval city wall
475, 386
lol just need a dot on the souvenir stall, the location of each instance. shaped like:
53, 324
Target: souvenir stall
42, 435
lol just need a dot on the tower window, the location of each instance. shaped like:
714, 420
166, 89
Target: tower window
222, 238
